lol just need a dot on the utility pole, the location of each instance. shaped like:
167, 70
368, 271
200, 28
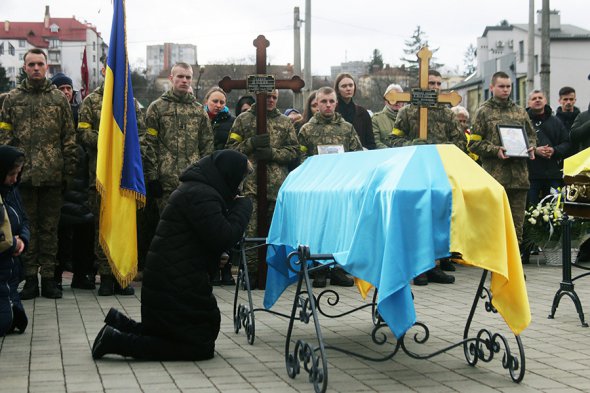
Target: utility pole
530, 73
545, 50
307, 73
297, 97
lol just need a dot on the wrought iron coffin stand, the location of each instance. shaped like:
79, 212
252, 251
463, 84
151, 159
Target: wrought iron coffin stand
566, 287
312, 358
244, 314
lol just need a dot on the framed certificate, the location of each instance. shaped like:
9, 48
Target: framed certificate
514, 140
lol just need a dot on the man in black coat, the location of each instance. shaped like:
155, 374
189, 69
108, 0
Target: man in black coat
204, 217
553, 146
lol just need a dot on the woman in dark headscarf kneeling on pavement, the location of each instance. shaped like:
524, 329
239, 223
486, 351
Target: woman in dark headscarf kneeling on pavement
205, 216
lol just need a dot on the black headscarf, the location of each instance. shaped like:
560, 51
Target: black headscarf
8, 156
232, 166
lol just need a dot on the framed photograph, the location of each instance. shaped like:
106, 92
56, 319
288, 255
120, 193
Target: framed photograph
514, 140
330, 149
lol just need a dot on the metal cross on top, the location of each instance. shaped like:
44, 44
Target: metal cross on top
261, 84
424, 97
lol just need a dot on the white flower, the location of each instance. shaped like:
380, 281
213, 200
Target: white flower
546, 217
535, 213
532, 220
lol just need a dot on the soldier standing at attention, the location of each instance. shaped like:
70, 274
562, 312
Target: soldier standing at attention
178, 135
383, 121
512, 173
88, 126
443, 127
36, 118
327, 127
277, 147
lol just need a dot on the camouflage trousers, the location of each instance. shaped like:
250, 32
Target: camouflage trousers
517, 200
252, 231
161, 202
43, 206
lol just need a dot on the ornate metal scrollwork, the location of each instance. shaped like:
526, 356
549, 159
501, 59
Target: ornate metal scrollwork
313, 363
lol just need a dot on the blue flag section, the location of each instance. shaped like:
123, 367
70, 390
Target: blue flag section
119, 173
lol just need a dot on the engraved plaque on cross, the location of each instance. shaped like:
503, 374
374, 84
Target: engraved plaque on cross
422, 96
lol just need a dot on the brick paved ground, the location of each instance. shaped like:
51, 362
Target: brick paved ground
54, 353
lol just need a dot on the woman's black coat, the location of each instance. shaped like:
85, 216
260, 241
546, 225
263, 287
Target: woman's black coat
201, 220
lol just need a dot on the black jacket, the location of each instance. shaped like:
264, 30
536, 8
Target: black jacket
580, 132
221, 124
200, 221
567, 118
550, 131
360, 119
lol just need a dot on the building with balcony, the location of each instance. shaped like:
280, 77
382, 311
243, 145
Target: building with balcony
62, 39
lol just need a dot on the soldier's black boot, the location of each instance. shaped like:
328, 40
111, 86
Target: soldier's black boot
49, 288
31, 288
107, 285
339, 278
127, 291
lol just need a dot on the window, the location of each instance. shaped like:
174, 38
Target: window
11, 71
94, 72
22, 43
54, 28
521, 51
94, 46
94, 58
2, 48
20, 56
54, 57
536, 64
11, 50
54, 43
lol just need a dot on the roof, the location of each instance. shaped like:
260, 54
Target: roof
565, 32
70, 29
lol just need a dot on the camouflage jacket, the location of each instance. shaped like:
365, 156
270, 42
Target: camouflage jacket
383, 123
38, 120
443, 127
283, 143
178, 135
89, 123
322, 131
485, 141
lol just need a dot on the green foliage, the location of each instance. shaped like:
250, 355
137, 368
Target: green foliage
413, 45
470, 60
376, 63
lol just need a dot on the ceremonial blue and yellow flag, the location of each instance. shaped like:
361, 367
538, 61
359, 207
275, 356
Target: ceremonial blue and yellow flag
119, 173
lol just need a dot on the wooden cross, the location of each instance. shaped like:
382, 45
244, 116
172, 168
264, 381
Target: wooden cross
423, 97
262, 84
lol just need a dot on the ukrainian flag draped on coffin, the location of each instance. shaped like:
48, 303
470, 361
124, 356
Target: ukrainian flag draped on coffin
119, 173
386, 215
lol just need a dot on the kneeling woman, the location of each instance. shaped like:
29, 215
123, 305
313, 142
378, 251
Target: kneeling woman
12, 312
180, 319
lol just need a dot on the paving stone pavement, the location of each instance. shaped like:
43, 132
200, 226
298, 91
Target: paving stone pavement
53, 355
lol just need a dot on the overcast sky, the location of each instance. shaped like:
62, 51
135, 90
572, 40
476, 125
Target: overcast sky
342, 30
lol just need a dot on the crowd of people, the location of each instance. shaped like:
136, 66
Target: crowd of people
200, 164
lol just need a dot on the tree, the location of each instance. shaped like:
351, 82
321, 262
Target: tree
413, 45
376, 63
143, 90
470, 60
4, 81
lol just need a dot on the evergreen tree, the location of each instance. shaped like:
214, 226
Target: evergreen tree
4, 81
470, 60
413, 45
376, 61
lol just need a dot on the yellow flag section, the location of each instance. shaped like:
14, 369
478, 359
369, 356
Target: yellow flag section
483, 232
577, 164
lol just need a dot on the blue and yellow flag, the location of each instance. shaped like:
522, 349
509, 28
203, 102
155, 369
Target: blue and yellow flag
119, 173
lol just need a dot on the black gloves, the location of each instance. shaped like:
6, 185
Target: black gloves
154, 189
260, 141
263, 154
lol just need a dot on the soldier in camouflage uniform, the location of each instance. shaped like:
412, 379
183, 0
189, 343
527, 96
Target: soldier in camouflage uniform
178, 135
512, 173
443, 127
88, 126
327, 127
36, 117
384, 121
277, 148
